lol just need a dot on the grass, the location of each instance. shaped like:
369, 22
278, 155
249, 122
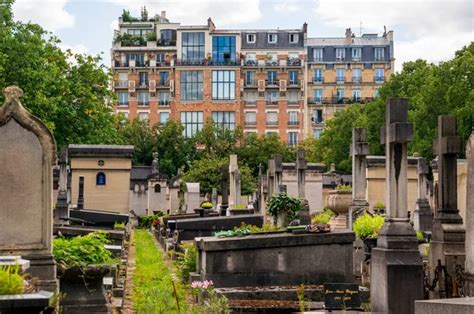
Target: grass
155, 288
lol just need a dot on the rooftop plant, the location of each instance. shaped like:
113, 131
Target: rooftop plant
11, 281
367, 226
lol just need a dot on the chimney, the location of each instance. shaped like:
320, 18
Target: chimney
348, 38
210, 24
163, 14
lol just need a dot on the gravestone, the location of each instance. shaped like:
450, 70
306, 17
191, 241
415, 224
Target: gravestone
271, 177
448, 236
278, 171
396, 267
192, 196
301, 182
422, 216
469, 271
234, 175
359, 151
259, 194
214, 199
27, 152
62, 205
224, 190
80, 195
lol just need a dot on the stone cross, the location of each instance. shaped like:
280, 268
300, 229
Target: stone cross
422, 218
278, 171
396, 268
469, 270
214, 198
234, 181
224, 189
80, 196
62, 206
155, 166
359, 151
301, 171
27, 154
259, 193
271, 177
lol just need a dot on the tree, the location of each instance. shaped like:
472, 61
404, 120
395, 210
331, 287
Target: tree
137, 133
217, 141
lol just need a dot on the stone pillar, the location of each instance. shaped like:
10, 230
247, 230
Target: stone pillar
271, 178
448, 236
359, 151
80, 196
62, 205
301, 179
234, 181
396, 267
278, 171
469, 269
224, 190
259, 196
422, 218
27, 154
214, 199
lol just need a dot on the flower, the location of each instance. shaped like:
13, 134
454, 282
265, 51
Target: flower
202, 284
155, 222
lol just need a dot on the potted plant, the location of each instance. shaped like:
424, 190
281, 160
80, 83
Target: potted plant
379, 208
83, 262
367, 228
241, 209
284, 208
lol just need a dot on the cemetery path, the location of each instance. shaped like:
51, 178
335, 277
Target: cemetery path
128, 301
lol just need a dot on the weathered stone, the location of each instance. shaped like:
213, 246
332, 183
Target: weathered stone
225, 190
234, 175
445, 306
80, 197
469, 269
423, 217
192, 196
26, 157
62, 204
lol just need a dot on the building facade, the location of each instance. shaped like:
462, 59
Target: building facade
256, 79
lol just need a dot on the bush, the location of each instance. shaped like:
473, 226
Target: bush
119, 225
344, 187
82, 251
11, 281
284, 203
322, 217
367, 226
186, 261
147, 221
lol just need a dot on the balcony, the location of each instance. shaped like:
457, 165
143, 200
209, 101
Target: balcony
379, 79
318, 80
143, 83
272, 63
340, 80
165, 43
190, 62
315, 100
250, 63
164, 103
293, 102
272, 123
143, 103
317, 122
250, 83
356, 79
338, 100
271, 83
207, 62
271, 102
293, 83
164, 83
379, 58
293, 123
121, 84
293, 62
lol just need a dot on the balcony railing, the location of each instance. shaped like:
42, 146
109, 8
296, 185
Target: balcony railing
250, 83
271, 102
315, 100
293, 62
143, 83
163, 83
318, 80
356, 79
294, 83
121, 84
340, 79
293, 102
293, 122
271, 83
126, 64
208, 62
162, 42
379, 58
379, 79
272, 122
164, 103
143, 103
250, 63
122, 103
250, 123
338, 100
272, 63
316, 122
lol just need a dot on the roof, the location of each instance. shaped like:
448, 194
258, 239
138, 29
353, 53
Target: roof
87, 150
140, 173
341, 41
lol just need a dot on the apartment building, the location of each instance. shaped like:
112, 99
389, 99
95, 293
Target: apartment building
257, 79
345, 70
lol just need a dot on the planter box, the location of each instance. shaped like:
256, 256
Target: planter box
246, 211
84, 290
276, 259
40, 302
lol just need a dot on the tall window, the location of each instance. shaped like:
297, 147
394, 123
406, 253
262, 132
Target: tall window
192, 122
318, 75
160, 57
139, 58
223, 85
318, 116
192, 46
100, 178
318, 95
164, 99
250, 97
272, 97
122, 98
143, 77
356, 75
250, 78
272, 77
356, 54
293, 118
250, 38
293, 77
143, 98
379, 75
318, 54
224, 119
340, 94
317, 133
143, 116
164, 78
376, 93
272, 118
356, 95
191, 85
379, 54
251, 118
340, 75
164, 117
272, 38
340, 54
293, 97
223, 49
292, 138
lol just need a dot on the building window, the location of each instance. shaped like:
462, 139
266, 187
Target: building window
223, 85
250, 58
191, 85
293, 118
293, 38
250, 97
272, 59
272, 118
379, 75
250, 78
356, 75
272, 38
272, 78
356, 54
223, 49
192, 46
143, 77
143, 116
157, 188
318, 75
164, 79
224, 119
251, 118
318, 54
356, 95
168, 37
379, 54
340, 75
164, 117
143, 98
271, 134
292, 138
376, 93
122, 98
317, 116
293, 77
160, 57
317, 133
293, 97
340, 95
192, 122
272, 98
100, 178
138, 32
250, 38
340, 54
139, 59
318, 95
164, 99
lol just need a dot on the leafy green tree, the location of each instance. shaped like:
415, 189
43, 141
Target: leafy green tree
137, 133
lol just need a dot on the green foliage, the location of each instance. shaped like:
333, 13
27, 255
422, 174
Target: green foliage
282, 202
151, 36
367, 226
127, 17
144, 14
146, 221
155, 290
206, 205
419, 235
240, 206
245, 229
82, 250
210, 301
322, 217
119, 225
129, 40
379, 205
344, 187
11, 281
303, 302
266, 227
186, 261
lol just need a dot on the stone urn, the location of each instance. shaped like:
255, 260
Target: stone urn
282, 219
339, 201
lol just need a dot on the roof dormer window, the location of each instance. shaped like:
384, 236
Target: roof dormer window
272, 38
250, 38
293, 38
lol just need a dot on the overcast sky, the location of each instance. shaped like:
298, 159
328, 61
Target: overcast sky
428, 29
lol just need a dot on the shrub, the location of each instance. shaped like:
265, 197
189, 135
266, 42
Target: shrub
367, 226
151, 36
284, 203
379, 205
322, 217
119, 225
240, 206
82, 251
344, 187
11, 281
206, 205
419, 235
147, 221
186, 261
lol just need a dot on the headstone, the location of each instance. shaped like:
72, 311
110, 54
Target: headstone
214, 198
259, 194
301, 183
341, 296
396, 266
271, 177
193, 196
422, 216
80, 197
155, 166
27, 152
62, 205
278, 171
469, 270
448, 235
234, 181
359, 151
224, 190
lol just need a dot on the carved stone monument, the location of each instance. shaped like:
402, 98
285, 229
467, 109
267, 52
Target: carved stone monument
224, 190
422, 217
469, 270
301, 179
62, 204
80, 195
396, 268
27, 153
278, 171
234, 181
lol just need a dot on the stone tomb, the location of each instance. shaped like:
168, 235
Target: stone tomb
192, 197
26, 157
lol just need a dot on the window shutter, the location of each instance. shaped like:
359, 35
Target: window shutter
131, 86
261, 85
152, 86
282, 85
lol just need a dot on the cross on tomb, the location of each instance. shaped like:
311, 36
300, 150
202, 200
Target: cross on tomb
359, 149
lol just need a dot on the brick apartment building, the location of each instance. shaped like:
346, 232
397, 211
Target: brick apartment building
256, 79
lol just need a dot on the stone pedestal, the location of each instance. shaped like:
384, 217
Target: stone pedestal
357, 208
422, 217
